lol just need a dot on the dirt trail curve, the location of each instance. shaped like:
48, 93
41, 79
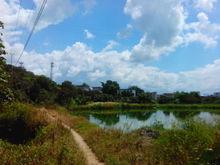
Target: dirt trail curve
89, 155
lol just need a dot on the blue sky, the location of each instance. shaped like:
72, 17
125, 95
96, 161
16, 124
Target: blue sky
161, 45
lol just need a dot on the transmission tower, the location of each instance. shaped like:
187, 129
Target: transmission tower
21, 64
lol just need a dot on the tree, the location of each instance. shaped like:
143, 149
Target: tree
110, 87
137, 90
43, 90
188, 98
66, 93
5, 92
144, 98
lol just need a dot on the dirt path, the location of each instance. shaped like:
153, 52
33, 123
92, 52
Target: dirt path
89, 155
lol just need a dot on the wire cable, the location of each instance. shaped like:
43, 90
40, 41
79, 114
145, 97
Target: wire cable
33, 28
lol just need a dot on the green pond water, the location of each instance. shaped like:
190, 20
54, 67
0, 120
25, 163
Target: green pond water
132, 120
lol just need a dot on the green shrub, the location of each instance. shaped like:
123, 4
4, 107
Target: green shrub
18, 124
53, 145
185, 146
26, 138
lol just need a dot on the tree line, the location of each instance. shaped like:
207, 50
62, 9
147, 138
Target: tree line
31, 88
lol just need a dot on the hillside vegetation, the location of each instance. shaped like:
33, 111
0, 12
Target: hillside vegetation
26, 137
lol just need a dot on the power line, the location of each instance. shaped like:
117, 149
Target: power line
28, 21
19, 9
33, 28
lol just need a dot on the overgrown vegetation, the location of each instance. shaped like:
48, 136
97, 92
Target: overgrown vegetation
5, 91
196, 143
19, 123
39, 142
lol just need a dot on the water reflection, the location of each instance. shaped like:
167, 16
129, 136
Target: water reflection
207, 117
107, 119
135, 120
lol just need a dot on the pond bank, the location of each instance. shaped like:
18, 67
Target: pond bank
129, 106
195, 143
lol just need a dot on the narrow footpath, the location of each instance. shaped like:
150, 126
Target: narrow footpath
88, 154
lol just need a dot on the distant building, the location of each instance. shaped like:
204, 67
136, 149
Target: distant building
153, 95
132, 91
169, 95
84, 87
217, 94
97, 89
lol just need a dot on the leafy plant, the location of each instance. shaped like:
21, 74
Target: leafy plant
5, 92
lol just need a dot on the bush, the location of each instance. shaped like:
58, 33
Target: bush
52, 145
17, 123
184, 146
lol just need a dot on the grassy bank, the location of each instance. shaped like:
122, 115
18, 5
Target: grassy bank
196, 143
189, 106
112, 106
102, 106
27, 138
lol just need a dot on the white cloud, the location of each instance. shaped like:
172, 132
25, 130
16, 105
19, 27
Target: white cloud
161, 23
88, 34
79, 63
88, 5
164, 27
160, 20
202, 17
111, 44
96, 74
125, 33
202, 31
148, 51
55, 12
206, 5
16, 17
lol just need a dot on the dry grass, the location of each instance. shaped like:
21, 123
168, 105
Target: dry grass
174, 147
110, 146
53, 144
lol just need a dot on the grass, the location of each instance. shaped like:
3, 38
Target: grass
112, 106
51, 144
102, 106
195, 143
111, 146
187, 145
190, 106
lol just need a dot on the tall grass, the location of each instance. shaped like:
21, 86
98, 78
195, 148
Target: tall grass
51, 143
188, 145
112, 106
189, 106
193, 144
102, 106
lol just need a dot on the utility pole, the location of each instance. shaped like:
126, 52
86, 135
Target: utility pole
51, 70
12, 58
12, 54
21, 64
12, 74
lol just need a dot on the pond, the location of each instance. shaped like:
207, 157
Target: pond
132, 120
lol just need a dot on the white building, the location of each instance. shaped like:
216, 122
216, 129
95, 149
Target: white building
217, 94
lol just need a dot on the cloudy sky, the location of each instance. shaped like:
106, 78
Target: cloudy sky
159, 45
